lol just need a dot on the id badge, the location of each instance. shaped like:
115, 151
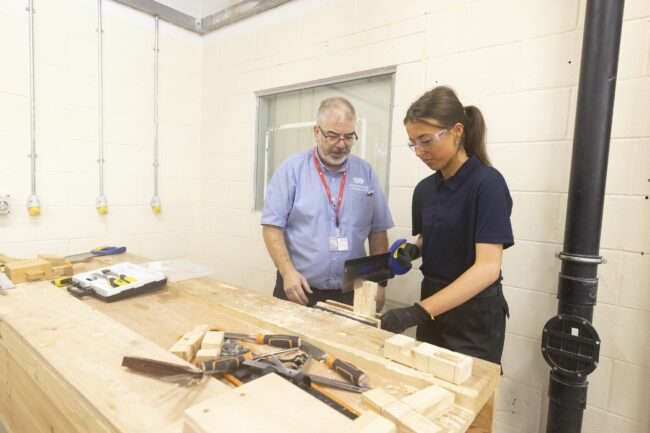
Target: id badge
338, 244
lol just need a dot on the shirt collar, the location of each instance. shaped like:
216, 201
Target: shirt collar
341, 169
454, 182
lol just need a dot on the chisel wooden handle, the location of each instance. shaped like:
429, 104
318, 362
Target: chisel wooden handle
347, 371
276, 340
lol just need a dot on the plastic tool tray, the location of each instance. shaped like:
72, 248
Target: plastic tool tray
117, 281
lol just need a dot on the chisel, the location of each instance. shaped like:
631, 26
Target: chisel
275, 340
344, 369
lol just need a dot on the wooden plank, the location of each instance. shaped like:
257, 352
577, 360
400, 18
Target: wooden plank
250, 408
80, 386
347, 312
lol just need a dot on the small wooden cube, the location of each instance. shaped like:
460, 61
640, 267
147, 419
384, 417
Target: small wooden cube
189, 343
399, 348
422, 353
376, 399
204, 355
414, 422
213, 340
431, 402
451, 366
396, 410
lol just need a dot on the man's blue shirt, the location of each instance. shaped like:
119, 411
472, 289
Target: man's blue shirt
296, 201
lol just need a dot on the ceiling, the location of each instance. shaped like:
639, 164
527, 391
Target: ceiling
203, 16
199, 8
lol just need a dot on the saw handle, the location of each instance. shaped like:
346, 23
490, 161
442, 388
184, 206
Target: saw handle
348, 371
277, 340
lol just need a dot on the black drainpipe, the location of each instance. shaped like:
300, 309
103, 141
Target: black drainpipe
570, 344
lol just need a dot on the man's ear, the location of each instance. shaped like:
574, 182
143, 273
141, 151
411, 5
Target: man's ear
316, 132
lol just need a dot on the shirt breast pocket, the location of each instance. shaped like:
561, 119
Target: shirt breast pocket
360, 208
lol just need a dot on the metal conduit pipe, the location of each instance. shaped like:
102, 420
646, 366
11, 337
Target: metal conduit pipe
155, 200
570, 343
101, 204
33, 202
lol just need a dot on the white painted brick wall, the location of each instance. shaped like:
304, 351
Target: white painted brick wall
517, 60
66, 126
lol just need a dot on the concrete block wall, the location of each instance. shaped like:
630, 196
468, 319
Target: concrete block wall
66, 80
519, 62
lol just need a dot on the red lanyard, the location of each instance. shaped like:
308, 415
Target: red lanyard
335, 206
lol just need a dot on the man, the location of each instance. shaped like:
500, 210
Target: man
320, 207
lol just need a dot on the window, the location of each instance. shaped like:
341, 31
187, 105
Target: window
286, 118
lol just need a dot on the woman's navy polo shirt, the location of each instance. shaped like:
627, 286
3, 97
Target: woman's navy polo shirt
453, 215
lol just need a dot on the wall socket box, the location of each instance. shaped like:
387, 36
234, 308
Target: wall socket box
4, 204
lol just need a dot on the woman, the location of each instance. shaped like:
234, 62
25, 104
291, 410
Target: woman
461, 217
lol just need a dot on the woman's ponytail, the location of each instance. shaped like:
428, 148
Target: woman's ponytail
474, 136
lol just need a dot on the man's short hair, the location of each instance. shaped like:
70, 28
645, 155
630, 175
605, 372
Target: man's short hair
336, 104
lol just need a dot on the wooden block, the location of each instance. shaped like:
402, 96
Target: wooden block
28, 270
189, 343
451, 366
213, 340
414, 422
422, 354
251, 408
376, 399
395, 411
364, 298
431, 402
399, 348
370, 422
63, 270
204, 355
458, 419
55, 260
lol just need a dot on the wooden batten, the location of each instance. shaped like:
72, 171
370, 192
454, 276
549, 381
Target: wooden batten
365, 293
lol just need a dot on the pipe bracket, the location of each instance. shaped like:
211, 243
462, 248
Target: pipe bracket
578, 258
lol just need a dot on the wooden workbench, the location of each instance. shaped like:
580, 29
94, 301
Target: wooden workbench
60, 357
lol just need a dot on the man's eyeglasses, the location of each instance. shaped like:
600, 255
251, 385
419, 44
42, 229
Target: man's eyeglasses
334, 138
424, 142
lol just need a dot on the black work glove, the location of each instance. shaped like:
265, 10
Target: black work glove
407, 254
398, 320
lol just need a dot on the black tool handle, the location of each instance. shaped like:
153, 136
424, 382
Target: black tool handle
348, 371
225, 363
277, 340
